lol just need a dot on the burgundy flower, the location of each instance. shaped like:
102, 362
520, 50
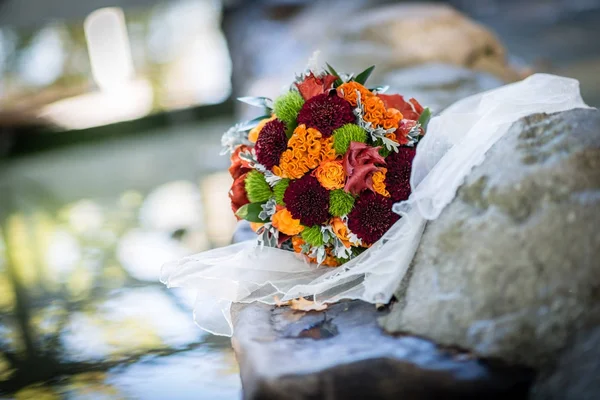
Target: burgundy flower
410, 109
359, 164
371, 217
238, 166
237, 193
326, 112
307, 200
397, 178
313, 86
271, 143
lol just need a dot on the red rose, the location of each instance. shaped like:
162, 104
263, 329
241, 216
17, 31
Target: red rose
410, 109
313, 86
238, 166
237, 193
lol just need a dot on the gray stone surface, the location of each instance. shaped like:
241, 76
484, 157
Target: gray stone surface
576, 375
343, 354
511, 269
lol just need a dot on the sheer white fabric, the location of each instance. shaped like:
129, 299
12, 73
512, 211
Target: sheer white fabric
456, 141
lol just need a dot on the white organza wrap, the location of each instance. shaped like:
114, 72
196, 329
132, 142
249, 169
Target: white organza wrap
455, 142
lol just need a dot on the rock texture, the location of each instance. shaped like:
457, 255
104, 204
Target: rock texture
511, 269
405, 35
343, 354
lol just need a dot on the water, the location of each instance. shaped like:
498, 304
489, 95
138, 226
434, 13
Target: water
84, 231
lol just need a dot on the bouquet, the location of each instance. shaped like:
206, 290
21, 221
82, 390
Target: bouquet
326, 173
318, 174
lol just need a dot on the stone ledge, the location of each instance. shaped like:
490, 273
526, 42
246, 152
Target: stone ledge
343, 353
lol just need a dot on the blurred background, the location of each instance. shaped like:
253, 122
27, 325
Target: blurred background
111, 114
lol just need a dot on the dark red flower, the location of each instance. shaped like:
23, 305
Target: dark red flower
237, 193
238, 166
326, 112
397, 178
313, 86
271, 143
307, 200
410, 109
359, 164
371, 217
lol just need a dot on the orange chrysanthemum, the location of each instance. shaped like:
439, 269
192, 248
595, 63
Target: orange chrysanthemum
285, 223
379, 182
348, 92
254, 132
306, 150
331, 175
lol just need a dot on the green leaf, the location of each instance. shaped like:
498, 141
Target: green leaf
250, 212
246, 126
424, 118
257, 101
363, 76
333, 72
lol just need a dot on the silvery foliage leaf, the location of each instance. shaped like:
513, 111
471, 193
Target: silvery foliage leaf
269, 208
375, 132
257, 101
327, 233
319, 253
355, 240
268, 235
250, 158
380, 89
340, 250
312, 67
271, 178
305, 248
234, 137
413, 135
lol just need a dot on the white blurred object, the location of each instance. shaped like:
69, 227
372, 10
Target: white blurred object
108, 47
172, 206
455, 142
129, 101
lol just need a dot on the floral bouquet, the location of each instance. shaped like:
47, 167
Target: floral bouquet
320, 172
331, 172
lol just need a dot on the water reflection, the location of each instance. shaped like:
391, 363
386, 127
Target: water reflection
82, 314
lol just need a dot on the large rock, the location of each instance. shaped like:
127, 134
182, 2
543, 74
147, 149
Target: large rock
342, 353
391, 37
404, 35
511, 268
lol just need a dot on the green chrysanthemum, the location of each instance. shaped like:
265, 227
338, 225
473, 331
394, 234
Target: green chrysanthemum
286, 108
346, 134
313, 236
257, 188
340, 203
279, 190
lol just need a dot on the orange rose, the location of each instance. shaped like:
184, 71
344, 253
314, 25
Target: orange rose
285, 223
331, 175
341, 231
255, 226
379, 182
